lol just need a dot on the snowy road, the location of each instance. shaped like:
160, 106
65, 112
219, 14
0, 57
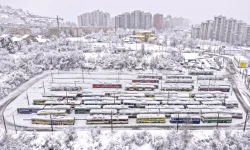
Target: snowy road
13, 95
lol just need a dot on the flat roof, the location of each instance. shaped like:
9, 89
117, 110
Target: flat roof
190, 56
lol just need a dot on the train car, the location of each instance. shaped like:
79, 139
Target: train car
179, 81
65, 88
132, 113
111, 102
91, 94
231, 104
185, 118
107, 119
182, 99
110, 86
103, 111
164, 107
60, 95
130, 94
169, 112
178, 77
91, 99
126, 98
151, 118
237, 114
181, 88
93, 103
64, 102
29, 109
210, 77
211, 111
139, 103
204, 99
208, 94
184, 103
212, 103
205, 107
41, 101
145, 81
200, 72
156, 85
216, 117
86, 99
118, 107
58, 107
190, 111
85, 109
150, 76
140, 88
54, 120
222, 88
52, 112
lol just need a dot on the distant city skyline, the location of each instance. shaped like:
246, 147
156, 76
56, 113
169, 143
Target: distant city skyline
195, 10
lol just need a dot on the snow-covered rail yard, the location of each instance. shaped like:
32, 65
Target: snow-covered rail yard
122, 99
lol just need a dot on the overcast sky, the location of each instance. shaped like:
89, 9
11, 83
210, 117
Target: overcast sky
195, 10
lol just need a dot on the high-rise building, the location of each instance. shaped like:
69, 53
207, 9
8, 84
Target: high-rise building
248, 35
219, 28
167, 23
196, 32
179, 22
240, 33
158, 21
225, 30
229, 30
96, 18
126, 20
148, 20
136, 20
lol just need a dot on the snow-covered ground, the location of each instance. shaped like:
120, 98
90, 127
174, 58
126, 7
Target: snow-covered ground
76, 78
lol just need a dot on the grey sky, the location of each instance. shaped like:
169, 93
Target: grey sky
195, 10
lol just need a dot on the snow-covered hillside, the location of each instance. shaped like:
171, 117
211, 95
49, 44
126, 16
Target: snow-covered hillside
13, 16
18, 17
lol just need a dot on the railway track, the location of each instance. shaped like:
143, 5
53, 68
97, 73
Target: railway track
11, 126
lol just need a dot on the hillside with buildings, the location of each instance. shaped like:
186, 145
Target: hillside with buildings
19, 17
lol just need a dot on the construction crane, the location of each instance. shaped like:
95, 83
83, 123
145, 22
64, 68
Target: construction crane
57, 21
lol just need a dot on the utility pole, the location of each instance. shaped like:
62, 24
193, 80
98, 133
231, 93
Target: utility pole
27, 98
4, 124
178, 122
43, 88
14, 123
218, 120
58, 25
82, 77
51, 122
67, 97
245, 121
51, 76
111, 121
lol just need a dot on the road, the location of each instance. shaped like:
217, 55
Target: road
13, 95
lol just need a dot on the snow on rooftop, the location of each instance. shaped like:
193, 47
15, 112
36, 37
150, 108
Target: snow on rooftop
106, 117
241, 58
150, 116
16, 39
190, 56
